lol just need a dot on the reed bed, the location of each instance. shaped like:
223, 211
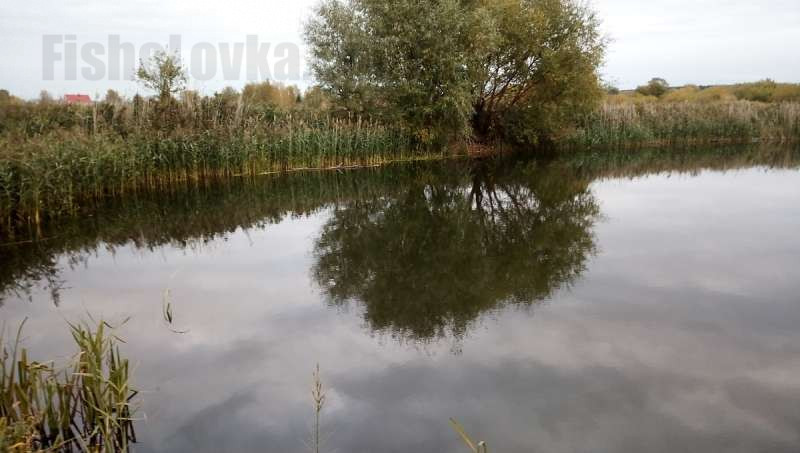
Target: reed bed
634, 124
85, 406
54, 159
57, 158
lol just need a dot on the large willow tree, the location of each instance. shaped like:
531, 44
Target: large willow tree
513, 70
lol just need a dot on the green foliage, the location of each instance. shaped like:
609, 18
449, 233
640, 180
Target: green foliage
316, 100
611, 89
112, 97
759, 91
510, 69
540, 73
163, 74
84, 407
55, 157
766, 91
45, 97
274, 95
401, 62
656, 87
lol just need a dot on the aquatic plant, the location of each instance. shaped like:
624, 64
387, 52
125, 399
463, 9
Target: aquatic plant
635, 124
475, 447
50, 175
318, 395
85, 406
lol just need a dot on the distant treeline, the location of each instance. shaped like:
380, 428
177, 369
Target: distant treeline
659, 90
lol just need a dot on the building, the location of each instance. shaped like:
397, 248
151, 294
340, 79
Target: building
82, 99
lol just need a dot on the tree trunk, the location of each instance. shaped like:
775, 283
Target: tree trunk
481, 121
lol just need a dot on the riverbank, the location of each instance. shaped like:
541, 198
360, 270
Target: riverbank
55, 158
53, 174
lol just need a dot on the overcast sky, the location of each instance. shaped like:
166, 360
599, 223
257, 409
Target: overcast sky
683, 41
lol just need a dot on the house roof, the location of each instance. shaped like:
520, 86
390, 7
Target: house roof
77, 99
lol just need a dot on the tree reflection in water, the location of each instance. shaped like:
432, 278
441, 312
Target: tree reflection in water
429, 261
424, 248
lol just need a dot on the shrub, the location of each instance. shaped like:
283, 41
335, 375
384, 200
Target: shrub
656, 87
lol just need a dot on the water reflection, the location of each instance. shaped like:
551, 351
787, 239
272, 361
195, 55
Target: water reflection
188, 217
427, 262
471, 236
680, 334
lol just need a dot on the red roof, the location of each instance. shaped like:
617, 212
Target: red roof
77, 99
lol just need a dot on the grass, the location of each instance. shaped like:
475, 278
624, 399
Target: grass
635, 124
85, 406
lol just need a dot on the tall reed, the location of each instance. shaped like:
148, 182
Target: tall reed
48, 175
628, 124
318, 395
85, 406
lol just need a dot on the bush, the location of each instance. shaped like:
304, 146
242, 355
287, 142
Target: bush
656, 87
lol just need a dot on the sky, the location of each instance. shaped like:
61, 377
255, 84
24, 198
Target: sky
682, 41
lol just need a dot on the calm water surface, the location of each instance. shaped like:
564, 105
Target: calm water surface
591, 304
